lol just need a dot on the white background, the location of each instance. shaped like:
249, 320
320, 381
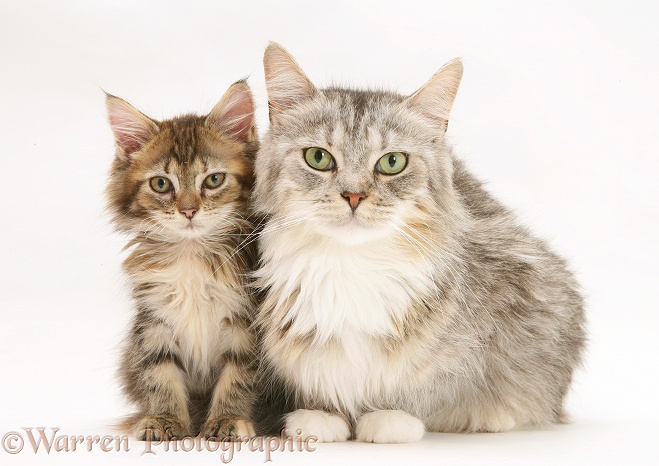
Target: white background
557, 112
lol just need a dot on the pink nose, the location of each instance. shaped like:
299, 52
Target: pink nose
353, 199
189, 213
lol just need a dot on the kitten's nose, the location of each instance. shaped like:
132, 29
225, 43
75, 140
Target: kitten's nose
189, 213
353, 199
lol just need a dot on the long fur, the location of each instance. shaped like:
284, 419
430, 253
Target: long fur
189, 360
430, 300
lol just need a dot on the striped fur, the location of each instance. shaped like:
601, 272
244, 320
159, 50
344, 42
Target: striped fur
189, 361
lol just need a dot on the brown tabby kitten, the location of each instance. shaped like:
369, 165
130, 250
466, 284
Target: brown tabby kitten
400, 295
180, 188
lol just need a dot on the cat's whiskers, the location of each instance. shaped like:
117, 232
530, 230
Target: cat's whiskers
251, 236
285, 223
150, 226
299, 218
160, 225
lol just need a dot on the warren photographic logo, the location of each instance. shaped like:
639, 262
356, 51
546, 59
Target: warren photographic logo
50, 441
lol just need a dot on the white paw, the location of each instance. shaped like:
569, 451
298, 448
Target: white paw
389, 427
496, 421
324, 426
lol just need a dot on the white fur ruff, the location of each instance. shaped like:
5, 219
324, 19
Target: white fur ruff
347, 297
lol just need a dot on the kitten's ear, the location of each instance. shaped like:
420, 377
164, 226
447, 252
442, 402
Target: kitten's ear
436, 97
234, 114
285, 81
132, 129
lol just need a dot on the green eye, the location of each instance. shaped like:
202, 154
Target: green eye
319, 158
214, 180
391, 163
160, 184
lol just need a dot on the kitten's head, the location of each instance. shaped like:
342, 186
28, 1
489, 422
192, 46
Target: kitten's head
353, 165
188, 177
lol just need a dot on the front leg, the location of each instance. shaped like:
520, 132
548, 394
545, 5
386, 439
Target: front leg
229, 412
154, 377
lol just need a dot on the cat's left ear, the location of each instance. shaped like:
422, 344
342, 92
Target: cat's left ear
233, 115
436, 97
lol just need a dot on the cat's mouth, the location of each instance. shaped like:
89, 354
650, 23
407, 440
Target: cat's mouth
353, 230
191, 228
355, 223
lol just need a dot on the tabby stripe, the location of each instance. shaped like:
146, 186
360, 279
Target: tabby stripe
242, 359
161, 357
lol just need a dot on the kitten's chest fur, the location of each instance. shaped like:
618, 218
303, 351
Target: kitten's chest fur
190, 293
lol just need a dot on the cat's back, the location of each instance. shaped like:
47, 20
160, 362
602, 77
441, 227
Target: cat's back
479, 203
522, 285
493, 230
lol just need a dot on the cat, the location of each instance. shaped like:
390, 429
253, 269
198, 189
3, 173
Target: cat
399, 296
180, 188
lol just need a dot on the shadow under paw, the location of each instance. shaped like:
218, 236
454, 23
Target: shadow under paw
160, 428
223, 427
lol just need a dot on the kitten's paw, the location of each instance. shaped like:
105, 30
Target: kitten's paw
324, 426
228, 426
160, 428
389, 427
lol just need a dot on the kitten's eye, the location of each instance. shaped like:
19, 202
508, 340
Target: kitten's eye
214, 181
319, 159
160, 184
391, 163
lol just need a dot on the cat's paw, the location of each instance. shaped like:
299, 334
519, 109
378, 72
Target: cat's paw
158, 428
222, 427
324, 426
493, 421
389, 427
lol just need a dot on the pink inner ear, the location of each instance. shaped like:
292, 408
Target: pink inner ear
131, 129
234, 114
238, 120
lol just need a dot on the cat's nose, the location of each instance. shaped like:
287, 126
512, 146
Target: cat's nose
189, 213
353, 198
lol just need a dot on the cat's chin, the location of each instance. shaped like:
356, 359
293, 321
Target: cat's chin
353, 233
189, 231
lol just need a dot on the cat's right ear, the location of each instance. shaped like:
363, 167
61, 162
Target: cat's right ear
132, 129
285, 81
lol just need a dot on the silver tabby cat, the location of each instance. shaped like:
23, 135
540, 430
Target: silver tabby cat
400, 296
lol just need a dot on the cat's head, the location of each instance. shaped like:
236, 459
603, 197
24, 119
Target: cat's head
188, 177
354, 165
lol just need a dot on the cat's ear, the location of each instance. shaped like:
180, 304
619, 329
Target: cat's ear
436, 97
285, 81
234, 114
132, 129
